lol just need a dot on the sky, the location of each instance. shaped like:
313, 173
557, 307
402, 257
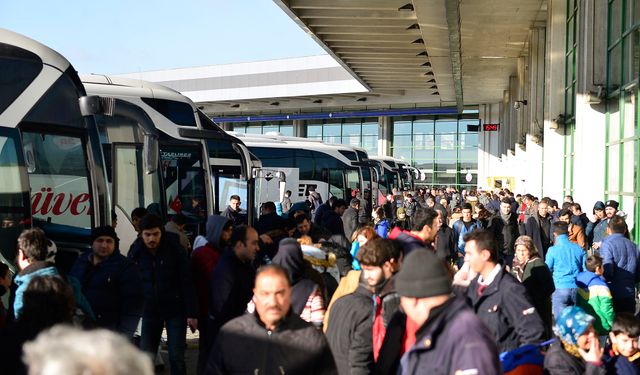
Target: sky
118, 36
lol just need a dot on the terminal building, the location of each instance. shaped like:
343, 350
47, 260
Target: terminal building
539, 96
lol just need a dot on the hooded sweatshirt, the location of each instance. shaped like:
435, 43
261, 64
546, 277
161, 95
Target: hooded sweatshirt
290, 257
205, 258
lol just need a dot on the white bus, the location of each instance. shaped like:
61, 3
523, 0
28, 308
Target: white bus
394, 173
198, 169
331, 169
51, 163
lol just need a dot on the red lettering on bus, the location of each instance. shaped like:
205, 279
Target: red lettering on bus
74, 205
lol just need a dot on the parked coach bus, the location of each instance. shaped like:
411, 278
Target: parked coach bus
198, 169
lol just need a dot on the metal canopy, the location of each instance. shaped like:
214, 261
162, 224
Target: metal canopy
444, 52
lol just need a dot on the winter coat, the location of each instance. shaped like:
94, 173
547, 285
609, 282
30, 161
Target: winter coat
538, 282
349, 222
386, 304
332, 222
40, 268
446, 244
558, 361
349, 332
166, 278
269, 222
348, 284
565, 261
576, 235
595, 299
245, 346
234, 216
541, 240
506, 309
114, 290
452, 339
600, 230
204, 259
231, 289
620, 259
382, 228
319, 213
505, 233
409, 241
620, 365
460, 230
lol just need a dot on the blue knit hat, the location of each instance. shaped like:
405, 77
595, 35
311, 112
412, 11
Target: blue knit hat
571, 324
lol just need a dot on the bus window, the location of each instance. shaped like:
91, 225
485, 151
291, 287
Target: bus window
184, 184
133, 188
59, 179
336, 183
353, 181
14, 196
228, 182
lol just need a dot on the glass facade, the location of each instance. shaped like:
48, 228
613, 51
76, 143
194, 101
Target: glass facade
283, 127
443, 149
622, 142
355, 132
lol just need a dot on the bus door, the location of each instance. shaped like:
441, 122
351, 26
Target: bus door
14, 195
183, 177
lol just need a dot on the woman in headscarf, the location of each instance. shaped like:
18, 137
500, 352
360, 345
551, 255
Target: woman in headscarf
577, 350
534, 274
306, 294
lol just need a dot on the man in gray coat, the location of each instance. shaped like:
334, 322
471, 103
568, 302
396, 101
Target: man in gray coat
350, 218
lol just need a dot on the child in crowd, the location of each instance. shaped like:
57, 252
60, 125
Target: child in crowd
594, 295
623, 356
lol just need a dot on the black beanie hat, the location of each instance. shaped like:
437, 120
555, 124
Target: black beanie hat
422, 275
103, 231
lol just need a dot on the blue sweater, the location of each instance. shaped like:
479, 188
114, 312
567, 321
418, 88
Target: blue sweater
565, 260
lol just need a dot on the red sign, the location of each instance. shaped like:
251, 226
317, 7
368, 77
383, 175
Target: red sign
491, 127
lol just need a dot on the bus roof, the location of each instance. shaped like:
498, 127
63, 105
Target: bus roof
46, 54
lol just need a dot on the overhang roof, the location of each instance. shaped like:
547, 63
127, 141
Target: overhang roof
444, 51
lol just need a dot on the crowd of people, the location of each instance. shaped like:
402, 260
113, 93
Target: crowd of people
427, 282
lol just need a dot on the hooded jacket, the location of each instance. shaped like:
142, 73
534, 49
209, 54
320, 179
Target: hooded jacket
204, 260
620, 259
41, 268
290, 257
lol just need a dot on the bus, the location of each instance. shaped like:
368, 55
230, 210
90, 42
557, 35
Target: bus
394, 173
198, 169
303, 163
52, 167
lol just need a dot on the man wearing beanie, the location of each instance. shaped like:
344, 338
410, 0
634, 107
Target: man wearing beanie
499, 300
450, 338
110, 282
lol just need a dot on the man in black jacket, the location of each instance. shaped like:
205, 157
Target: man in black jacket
233, 211
168, 290
111, 283
272, 340
232, 280
504, 225
332, 220
497, 297
350, 218
538, 227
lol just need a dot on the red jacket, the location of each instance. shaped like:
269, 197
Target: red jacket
203, 261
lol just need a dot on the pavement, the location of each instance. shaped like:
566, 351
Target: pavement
191, 354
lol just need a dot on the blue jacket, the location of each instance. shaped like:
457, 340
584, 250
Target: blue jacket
460, 230
23, 278
565, 261
600, 230
620, 259
114, 290
382, 228
166, 278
